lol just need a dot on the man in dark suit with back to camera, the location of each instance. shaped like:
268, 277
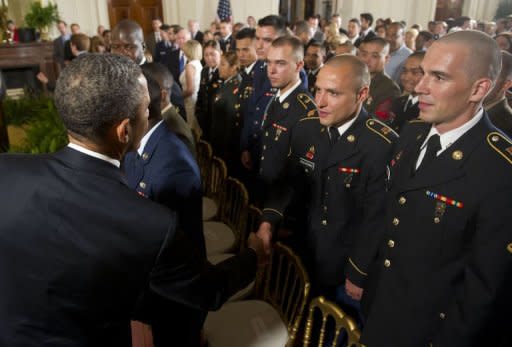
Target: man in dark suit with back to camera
442, 277
77, 246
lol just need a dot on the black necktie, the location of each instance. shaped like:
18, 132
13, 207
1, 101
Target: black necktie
334, 135
407, 104
433, 146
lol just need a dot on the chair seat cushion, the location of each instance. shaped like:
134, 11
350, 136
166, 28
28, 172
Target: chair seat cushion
251, 323
218, 238
242, 294
210, 209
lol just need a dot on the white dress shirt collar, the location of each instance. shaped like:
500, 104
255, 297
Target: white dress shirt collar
146, 137
344, 127
248, 69
96, 155
282, 97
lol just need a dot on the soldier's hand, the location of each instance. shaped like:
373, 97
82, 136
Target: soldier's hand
246, 160
265, 234
353, 291
257, 245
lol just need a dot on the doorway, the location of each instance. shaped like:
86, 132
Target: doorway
141, 11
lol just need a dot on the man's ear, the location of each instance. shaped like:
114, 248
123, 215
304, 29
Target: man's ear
163, 94
481, 88
123, 131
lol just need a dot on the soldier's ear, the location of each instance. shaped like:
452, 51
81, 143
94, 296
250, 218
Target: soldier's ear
363, 93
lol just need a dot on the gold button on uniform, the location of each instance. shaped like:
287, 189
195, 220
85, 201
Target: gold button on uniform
437, 220
145, 156
442, 315
387, 263
396, 221
262, 157
509, 247
402, 200
391, 243
142, 185
324, 222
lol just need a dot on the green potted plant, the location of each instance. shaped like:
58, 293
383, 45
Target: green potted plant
3, 21
41, 17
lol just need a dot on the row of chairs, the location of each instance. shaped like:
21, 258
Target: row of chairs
271, 310
274, 314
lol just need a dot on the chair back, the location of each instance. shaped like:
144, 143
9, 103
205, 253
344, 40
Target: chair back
233, 208
342, 323
286, 287
204, 159
217, 178
252, 225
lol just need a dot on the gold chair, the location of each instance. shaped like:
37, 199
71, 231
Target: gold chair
342, 323
216, 179
252, 225
224, 235
274, 318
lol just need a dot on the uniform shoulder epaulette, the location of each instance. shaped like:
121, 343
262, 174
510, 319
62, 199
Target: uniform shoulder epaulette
501, 144
305, 100
309, 118
416, 120
381, 129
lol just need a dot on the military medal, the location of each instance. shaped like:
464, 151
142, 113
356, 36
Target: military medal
311, 153
445, 199
235, 91
439, 211
396, 158
348, 170
286, 105
279, 130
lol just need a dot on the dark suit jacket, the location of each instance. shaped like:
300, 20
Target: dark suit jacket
400, 116
77, 247
151, 43
180, 128
59, 51
199, 37
445, 260
227, 45
501, 116
345, 194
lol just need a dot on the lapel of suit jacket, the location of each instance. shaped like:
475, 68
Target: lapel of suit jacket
83, 162
152, 143
346, 146
449, 164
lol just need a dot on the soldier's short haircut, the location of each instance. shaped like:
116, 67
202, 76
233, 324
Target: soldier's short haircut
318, 45
96, 91
294, 43
213, 44
277, 22
301, 27
379, 41
159, 73
246, 33
165, 27
483, 57
361, 75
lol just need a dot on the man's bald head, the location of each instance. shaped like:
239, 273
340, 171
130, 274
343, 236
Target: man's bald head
482, 58
128, 40
361, 75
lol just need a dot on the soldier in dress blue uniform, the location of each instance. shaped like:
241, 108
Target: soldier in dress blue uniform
443, 274
314, 59
246, 53
341, 158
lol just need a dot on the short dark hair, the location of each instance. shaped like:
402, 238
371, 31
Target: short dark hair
427, 35
165, 27
318, 45
159, 73
176, 28
277, 22
368, 17
213, 44
301, 27
246, 33
63, 22
355, 20
95, 91
377, 40
293, 42
155, 110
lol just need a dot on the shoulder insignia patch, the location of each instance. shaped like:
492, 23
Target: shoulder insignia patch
309, 118
500, 144
305, 100
312, 113
381, 129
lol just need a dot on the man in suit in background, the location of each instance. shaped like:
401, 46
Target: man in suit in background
128, 40
77, 246
154, 37
366, 26
496, 103
169, 112
60, 42
442, 277
405, 107
195, 33
227, 41
314, 59
163, 170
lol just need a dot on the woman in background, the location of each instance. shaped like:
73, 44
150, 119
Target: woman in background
190, 79
226, 122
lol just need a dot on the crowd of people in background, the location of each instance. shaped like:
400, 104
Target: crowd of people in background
350, 138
